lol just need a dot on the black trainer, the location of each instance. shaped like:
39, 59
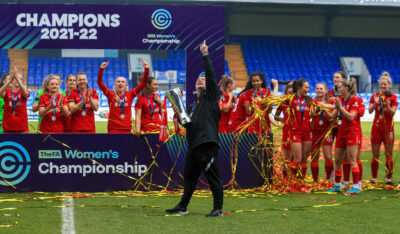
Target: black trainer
390, 183
215, 213
177, 210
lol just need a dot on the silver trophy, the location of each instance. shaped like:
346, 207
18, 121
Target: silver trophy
174, 96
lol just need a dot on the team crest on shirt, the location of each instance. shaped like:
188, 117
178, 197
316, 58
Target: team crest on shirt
356, 104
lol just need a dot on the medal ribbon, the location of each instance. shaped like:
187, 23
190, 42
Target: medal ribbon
84, 104
14, 101
302, 106
152, 109
254, 93
122, 104
340, 114
322, 114
53, 106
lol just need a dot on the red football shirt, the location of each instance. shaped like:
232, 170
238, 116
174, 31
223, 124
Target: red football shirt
251, 95
333, 93
360, 113
387, 121
17, 121
300, 120
115, 122
353, 104
317, 120
79, 121
150, 119
224, 120
284, 107
48, 125
238, 114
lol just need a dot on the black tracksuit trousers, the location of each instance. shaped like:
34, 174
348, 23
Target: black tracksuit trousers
202, 158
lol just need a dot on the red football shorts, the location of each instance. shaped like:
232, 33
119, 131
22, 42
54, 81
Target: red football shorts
344, 139
378, 136
299, 136
318, 136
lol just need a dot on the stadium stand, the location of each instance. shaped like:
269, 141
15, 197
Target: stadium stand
289, 58
282, 58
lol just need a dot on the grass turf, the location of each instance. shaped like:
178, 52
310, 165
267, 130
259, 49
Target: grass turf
372, 211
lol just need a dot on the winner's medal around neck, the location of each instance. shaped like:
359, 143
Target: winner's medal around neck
84, 105
53, 118
122, 105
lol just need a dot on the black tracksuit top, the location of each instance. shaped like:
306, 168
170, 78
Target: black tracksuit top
204, 111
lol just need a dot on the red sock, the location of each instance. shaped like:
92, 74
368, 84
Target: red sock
346, 171
360, 167
356, 174
338, 176
328, 169
389, 168
374, 168
315, 170
303, 167
294, 168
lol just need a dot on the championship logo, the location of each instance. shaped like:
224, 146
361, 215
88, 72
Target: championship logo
14, 163
161, 19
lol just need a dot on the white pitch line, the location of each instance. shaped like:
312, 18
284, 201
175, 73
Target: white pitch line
67, 211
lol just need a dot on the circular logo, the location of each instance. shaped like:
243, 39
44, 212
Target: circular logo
161, 19
14, 163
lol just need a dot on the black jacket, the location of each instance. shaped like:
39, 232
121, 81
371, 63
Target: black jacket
204, 111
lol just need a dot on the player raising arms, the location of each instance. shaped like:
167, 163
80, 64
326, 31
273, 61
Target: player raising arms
83, 102
15, 117
52, 107
3, 81
347, 140
384, 104
120, 100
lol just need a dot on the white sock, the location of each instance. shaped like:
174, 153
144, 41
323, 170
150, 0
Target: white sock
388, 180
337, 184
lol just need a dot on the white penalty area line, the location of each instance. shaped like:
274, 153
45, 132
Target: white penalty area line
67, 211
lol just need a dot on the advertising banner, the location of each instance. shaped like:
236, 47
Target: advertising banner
144, 27
110, 162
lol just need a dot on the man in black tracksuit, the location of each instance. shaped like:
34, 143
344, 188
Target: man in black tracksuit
202, 137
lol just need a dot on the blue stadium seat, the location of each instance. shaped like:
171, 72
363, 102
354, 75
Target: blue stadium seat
313, 58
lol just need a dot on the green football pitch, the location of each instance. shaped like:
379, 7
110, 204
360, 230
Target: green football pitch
375, 210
